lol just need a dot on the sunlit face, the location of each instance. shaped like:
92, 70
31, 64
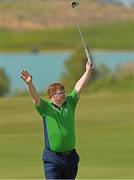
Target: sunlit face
59, 96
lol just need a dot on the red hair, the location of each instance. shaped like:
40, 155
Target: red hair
53, 88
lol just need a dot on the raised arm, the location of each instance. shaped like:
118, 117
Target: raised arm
84, 79
30, 87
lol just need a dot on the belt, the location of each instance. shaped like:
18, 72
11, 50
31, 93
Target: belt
67, 153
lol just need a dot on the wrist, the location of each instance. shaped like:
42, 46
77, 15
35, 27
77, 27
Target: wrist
89, 71
29, 83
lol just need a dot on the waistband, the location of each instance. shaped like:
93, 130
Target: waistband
67, 153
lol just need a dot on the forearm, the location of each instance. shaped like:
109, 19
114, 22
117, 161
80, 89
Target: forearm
33, 93
83, 81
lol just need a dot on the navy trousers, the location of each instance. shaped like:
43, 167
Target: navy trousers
60, 165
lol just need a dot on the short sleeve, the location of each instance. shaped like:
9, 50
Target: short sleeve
42, 108
73, 97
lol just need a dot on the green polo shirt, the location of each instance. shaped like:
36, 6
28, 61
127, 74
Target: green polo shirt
59, 123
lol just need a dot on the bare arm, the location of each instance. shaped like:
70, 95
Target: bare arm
30, 87
84, 79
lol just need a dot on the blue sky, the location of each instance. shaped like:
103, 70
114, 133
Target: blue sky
127, 2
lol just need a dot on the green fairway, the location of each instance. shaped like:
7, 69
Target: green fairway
105, 137
102, 36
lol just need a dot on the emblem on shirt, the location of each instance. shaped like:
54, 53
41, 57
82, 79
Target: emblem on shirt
66, 110
54, 109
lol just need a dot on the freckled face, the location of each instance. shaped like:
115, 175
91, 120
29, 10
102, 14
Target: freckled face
60, 96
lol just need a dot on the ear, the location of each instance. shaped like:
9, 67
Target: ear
52, 98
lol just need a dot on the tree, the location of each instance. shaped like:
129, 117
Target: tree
75, 67
4, 82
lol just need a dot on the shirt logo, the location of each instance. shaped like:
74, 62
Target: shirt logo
66, 110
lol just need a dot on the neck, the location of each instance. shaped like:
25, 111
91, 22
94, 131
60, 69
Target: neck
59, 104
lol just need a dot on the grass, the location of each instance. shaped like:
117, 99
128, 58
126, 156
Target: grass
102, 36
104, 137
113, 84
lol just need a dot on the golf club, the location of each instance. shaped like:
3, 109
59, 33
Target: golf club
88, 54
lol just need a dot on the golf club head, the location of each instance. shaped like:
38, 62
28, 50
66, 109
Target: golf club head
75, 4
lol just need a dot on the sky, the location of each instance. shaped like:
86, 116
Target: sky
127, 2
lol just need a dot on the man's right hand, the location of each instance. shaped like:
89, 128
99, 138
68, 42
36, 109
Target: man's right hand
26, 76
32, 90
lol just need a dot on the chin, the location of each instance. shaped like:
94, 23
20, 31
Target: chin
63, 100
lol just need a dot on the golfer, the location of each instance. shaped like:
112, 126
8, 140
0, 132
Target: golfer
60, 157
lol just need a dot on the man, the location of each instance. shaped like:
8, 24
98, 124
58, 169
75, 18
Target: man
60, 157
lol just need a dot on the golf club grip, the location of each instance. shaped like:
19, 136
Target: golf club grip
88, 55
89, 58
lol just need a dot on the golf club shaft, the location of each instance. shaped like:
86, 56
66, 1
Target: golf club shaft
81, 35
